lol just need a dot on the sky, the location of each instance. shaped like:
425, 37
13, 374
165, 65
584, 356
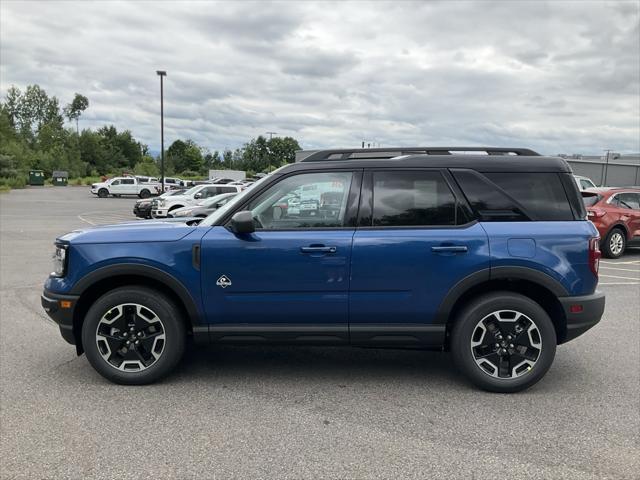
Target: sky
558, 77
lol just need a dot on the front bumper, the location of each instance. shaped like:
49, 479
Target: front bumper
159, 212
582, 313
60, 309
142, 212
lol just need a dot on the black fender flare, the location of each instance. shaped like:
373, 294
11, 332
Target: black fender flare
496, 273
141, 270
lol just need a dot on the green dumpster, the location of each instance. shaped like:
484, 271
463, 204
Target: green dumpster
36, 177
60, 178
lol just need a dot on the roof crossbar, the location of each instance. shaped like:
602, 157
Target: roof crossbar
383, 153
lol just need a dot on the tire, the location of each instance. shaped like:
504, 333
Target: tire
158, 326
614, 243
537, 335
145, 193
103, 193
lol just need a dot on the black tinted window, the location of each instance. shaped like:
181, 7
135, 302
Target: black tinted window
226, 189
541, 194
412, 198
488, 202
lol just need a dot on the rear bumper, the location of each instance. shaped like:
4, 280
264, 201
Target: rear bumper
60, 313
590, 314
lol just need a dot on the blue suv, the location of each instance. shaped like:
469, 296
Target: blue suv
484, 252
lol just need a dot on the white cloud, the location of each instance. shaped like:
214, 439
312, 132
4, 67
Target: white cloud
554, 76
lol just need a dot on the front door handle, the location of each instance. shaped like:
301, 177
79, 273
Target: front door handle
450, 249
318, 249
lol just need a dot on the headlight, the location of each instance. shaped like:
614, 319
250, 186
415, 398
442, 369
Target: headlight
60, 261
161, 203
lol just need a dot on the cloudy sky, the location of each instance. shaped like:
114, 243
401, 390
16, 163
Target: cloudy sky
556, 76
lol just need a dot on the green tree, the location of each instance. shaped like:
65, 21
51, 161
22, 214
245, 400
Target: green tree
74, 109
147, 166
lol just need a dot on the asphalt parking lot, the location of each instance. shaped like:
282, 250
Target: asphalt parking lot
247, 412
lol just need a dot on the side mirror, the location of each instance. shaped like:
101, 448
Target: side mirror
198, 195
242, 222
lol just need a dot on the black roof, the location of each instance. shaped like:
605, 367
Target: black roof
494, 159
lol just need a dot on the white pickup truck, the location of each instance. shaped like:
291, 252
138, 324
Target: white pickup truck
125, 186
160, 207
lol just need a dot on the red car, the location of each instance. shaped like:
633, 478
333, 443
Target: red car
616, 214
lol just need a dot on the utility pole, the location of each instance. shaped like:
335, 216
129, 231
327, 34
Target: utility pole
606, 168
161, 74
271, 134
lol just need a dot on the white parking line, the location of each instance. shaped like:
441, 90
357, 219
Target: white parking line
617, 276
618, 283
623, 269
630, 262
85, 220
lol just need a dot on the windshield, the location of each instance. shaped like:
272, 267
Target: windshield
210, 202
192, 190
237, 200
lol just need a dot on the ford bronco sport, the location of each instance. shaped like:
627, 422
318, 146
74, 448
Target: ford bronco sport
484, 252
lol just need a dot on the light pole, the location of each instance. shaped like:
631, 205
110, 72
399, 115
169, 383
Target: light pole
161, 74
271, 134
606, 168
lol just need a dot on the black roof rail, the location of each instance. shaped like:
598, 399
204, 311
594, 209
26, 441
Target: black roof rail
391, 152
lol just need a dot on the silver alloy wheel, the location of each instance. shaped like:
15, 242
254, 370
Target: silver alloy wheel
616, 243
506, 344
130, 337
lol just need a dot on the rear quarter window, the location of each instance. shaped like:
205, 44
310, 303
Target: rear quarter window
542, 194
516, 196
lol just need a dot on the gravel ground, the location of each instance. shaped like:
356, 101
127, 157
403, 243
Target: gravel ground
246, 412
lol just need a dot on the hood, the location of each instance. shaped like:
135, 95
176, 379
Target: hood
167, 230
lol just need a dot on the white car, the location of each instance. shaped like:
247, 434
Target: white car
583, 182
124, 186
161, 207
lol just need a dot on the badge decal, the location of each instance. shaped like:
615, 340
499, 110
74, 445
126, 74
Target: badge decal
224, 281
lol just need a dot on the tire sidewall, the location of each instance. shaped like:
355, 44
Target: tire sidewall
103, 193
145, 193
480, 308
163, 308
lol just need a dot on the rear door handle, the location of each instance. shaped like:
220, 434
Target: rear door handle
450, 249
318, 249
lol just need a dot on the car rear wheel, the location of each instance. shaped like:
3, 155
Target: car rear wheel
145, 193
103, 193
503, 342
133, 335
614, 243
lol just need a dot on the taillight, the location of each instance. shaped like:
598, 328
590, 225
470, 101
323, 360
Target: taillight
594, 254
597, 213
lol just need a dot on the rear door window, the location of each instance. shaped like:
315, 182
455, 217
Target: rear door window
628, 200
412, 198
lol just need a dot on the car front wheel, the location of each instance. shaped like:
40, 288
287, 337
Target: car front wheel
103, 193
503, 342
133, 335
